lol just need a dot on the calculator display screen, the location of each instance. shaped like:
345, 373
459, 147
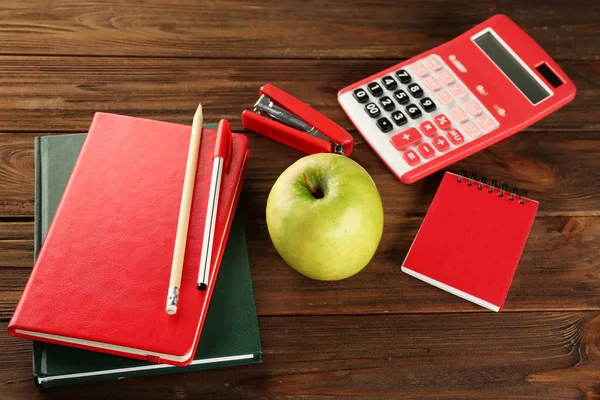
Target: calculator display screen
512, 67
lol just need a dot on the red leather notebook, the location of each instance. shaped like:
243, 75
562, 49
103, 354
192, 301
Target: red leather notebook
101, 278
471, 240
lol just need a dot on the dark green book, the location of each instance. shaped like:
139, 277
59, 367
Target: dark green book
230, 335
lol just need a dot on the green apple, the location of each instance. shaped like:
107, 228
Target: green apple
325, 216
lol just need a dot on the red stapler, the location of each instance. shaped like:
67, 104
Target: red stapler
285, 119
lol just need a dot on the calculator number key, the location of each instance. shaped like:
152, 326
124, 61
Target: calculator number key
389, 82
426, 150
373, 110
375, 89
440, 143
413, 111
406, 138
361, 95
427, 104
403, 76
401, 97
415, 90
411, 157
387, 103
455, 136
399, 118
384, 124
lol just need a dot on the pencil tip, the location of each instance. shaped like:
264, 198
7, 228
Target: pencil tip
199, 110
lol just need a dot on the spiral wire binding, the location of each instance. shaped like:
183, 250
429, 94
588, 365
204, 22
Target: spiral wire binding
502, 189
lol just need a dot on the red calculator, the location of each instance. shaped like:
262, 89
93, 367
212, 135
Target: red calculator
437, 108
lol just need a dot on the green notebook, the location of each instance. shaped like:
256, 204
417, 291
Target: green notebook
230, 335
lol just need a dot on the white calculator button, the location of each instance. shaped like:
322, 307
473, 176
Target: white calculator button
443, 97
459, 114
431, 83
472, 107
445, 77
471, 129
433, 63
458, 90
419, 69
486, 123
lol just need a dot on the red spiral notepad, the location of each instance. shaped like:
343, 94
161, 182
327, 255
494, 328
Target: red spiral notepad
471, 240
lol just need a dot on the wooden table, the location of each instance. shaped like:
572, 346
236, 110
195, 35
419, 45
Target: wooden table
380, 334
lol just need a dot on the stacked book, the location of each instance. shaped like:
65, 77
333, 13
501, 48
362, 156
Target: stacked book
106, 218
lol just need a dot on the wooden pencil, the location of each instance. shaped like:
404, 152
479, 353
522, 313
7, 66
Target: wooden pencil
184, 212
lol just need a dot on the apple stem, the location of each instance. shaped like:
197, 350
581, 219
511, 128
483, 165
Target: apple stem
316, 192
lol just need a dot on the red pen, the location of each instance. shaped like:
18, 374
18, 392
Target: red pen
221, 160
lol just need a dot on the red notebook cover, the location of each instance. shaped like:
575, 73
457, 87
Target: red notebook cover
471, 240
101, 278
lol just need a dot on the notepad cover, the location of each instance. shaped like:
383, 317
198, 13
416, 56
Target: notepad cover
471, 241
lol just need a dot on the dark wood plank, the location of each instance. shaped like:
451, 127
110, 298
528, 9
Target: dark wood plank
254, 29
560, 169
61, 94
559, 270
454, 356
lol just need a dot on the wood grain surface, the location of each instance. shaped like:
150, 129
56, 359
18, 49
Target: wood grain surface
380, 334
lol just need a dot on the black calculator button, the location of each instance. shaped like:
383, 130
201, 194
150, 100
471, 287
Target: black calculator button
427, 104
387, 103
373, 110
384, 124
415, 90
389, 82
401, 97
403, 76
361, 95
399, 118
413, 111
375, 89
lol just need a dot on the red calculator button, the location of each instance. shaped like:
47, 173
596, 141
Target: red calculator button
411, 157
433, 63
406, 138
472, 107
486, 123
442, 121
431, 83
426, 150
428, 128
455, 136
419, 69
471, 129
445, 77
440, 143
458, 90
443, 97
459, 114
